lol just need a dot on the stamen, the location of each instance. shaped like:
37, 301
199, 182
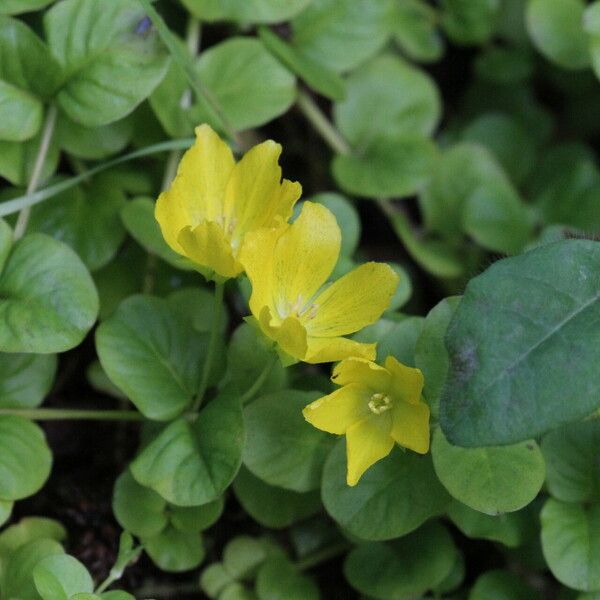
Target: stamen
379, 403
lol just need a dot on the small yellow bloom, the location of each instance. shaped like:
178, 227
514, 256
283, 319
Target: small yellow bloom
375, 408
213, 202
288, 265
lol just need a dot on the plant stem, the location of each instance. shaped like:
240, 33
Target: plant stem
323, 555
38, 167
321, 123
66, 414
215, 332
260, 381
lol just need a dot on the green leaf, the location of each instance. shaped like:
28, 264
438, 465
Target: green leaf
196, 518
415, 31
15, 7
6, 507
394, 497
491, 480
511, 370
28, 530
281, 448
509, 529
25, 459
197, 305
470, 21
67, 218
505, 66
404, 568
591, 26
47, 297
403, 291
342, 34
192, 463
20, 113
60, 576
25, 379
319, 77
573, 469
16, 577
414, 112
253, 11
138, 509
243, 555
387, 167
175, 551
138, 218
112, 64
501, 585
250, 86
150, 352
278, 579
431, 355
570, 541
556, 29
271, 506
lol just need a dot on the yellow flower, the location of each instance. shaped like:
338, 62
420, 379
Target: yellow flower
213, 202
288, 265
375, 408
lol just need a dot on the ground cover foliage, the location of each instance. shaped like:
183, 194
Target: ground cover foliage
152, 441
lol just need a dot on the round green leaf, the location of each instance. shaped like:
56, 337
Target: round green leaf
196, 518
470, 21
431, 355
25, 379
501, 585
197, 305
15, 7
415, 31
68, 216
387, 167
281, 448
342, 34
150, 352
112, 63
138, 509
278, 579
573, 469
394, 497
60, 576
252, 11
513, 362
347, 217
27, 530
404, 568
25, 459
20, 113
6, 507
192, 462
271, 506
571, 543
47, 297
491, 480
175, 551
556, 29
414, 111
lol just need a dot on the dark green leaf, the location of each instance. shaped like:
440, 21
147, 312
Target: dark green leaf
25, 379
175, 551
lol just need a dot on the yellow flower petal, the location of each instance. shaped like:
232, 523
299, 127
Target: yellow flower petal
304, 257
367, 442
410, 426
321, 350
407, 383
255, 195
356, 300
366, 372
197, 192
338, 411
206, 245
289, 334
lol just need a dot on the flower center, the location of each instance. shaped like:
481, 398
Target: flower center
379, 403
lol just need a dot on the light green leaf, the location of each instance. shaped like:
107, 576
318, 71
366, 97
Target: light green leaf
6, 507
25, 379
47, 297
250, 11
193, 462
15, 7
151, 353
196, 518
281, 448
20, 113
501, 585
492, 480
60, 576
112, 62
27, 530
25, 459
404, 568
394, 497
175, 551
511, 370
571, 543
278, 579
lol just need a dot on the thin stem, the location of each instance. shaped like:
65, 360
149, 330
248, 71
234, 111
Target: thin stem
215, 333
66, 414
38, 167
323, 555
260, 381
322, 124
